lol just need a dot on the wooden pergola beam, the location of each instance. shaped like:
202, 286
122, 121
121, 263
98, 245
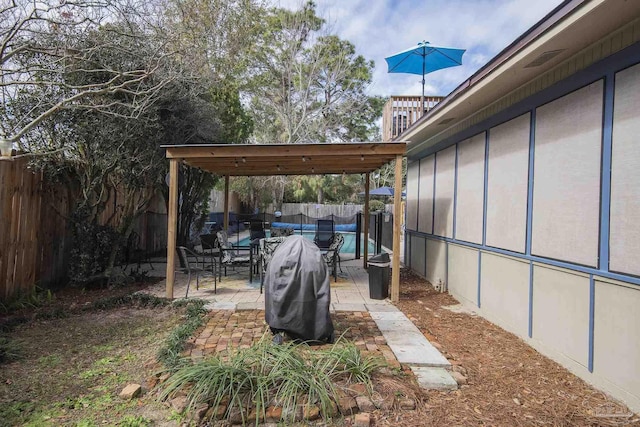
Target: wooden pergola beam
286, 159
213, 151
172, 225
366, 220
397, 213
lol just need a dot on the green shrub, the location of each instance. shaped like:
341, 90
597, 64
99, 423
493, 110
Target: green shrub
376, 205
9, 349
91, 247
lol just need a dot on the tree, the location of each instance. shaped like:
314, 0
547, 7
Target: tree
216, 36
308, 86
214, 117
43, 51
92, 143
91, 89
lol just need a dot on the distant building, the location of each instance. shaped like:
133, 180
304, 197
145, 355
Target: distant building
400, 112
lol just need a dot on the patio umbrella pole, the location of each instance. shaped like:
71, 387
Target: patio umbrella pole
424, 61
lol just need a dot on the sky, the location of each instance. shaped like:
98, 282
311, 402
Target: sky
380, 28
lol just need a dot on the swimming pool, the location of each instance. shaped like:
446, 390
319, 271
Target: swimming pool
349, 246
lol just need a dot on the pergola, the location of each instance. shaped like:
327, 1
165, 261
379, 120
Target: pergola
286, 159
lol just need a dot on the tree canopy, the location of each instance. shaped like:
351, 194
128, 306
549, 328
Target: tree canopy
92, 88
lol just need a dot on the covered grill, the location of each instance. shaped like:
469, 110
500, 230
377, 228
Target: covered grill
297, 293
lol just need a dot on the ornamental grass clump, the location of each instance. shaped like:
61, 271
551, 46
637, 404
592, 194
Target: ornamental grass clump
349, 363
287, 376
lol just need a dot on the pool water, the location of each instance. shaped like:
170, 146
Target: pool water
349, 246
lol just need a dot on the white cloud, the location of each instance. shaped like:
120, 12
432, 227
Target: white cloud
381, 28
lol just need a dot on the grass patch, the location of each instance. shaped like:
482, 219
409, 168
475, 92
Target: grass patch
36, 298
170, 354
10, 349
73, 369
289, 375
131, 300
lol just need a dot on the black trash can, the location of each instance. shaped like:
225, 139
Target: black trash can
379, 276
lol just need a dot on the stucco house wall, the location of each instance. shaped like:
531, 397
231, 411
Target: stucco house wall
532, 215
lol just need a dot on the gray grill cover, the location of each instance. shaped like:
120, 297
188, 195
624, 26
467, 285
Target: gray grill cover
297, 293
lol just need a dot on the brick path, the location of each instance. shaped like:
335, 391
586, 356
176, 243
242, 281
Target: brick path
228, 329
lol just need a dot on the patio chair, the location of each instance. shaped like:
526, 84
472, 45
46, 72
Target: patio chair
281, 232
267, 247
193, 263
209, 243
229, 256
256, 230
332, 256
324, 233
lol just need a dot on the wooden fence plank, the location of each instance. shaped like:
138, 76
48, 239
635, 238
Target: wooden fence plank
14, 222
5, 216
35, 239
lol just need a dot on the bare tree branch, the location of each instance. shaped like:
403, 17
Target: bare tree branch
44, 45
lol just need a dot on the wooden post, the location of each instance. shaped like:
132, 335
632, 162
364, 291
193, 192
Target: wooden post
397, 228
172, 223
226, 203
366, 219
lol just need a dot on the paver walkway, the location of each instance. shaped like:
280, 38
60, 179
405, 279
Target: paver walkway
228, 329
376, 326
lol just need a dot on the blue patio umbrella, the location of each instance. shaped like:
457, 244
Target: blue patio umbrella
424, 59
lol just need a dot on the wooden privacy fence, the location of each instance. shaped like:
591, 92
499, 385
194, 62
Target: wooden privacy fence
35, 240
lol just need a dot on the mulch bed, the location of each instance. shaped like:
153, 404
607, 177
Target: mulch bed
509, 383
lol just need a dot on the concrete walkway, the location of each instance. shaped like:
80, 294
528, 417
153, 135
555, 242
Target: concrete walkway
350, 293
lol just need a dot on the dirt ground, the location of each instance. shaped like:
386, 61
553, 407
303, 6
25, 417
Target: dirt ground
509, 383
76, 361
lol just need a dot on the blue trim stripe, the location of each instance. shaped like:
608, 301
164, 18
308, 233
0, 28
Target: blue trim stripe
592, 305
486, 186
455, 191
479, 276
530, 299
532, 152
634, 280
605, 184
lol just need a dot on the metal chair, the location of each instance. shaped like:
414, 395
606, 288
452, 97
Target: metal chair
267, 247
229, 256
209, 243
332, 256
185, 257
256, 229
324, 233
281, 232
